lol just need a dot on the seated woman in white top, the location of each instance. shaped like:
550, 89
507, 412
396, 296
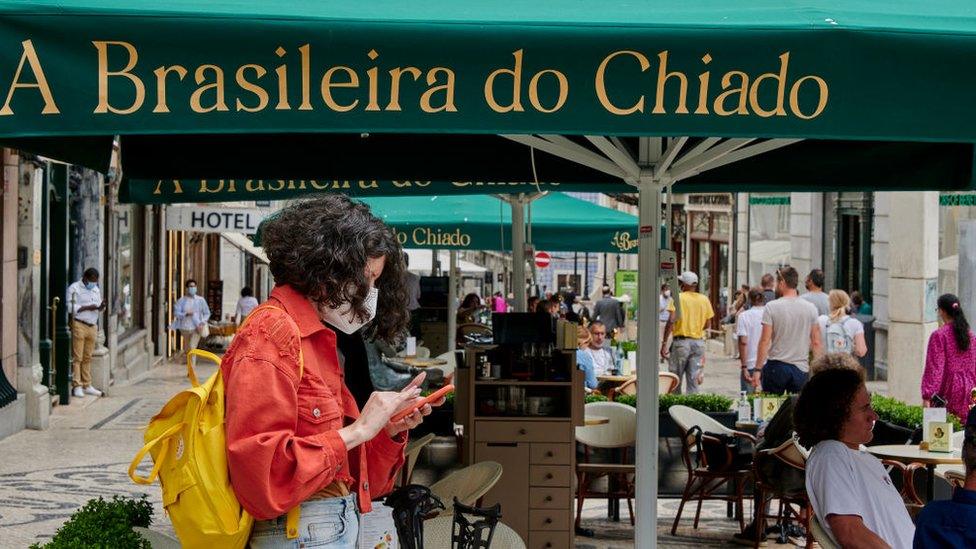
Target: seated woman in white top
840, 332
849, 489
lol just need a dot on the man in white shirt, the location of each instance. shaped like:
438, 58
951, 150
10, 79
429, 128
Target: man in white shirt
849, 489
245, 304
84, 301
190, 316
602, 359
748, 328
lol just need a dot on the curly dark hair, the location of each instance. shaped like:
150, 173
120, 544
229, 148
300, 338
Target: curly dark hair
320, 248
825, 403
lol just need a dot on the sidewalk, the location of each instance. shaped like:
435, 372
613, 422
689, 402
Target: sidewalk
47, 475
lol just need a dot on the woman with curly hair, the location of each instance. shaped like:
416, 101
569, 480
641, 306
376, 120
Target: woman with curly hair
295, 436
849, 489
950, 361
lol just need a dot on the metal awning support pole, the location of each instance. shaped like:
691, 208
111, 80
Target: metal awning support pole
452, 301
649, 222
518, 252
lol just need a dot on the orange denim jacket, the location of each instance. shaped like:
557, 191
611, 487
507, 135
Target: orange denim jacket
283, 443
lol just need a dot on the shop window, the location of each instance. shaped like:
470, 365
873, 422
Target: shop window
128, 289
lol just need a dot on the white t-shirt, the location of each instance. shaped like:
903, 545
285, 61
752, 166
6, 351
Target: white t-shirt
663, 314
792, 318
841, 481
602, 361
749, 325
244, 307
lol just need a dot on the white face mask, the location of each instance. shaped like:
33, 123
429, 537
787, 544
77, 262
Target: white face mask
344, 320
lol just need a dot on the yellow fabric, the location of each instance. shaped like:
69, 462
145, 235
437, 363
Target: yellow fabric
696, 310
188, 446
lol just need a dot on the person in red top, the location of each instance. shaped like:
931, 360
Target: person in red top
299, 439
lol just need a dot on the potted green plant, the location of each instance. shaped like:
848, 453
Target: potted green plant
899, 422
103, 523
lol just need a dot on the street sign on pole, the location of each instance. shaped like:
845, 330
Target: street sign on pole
542, 260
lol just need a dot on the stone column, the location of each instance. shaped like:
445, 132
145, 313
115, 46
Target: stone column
28, 184
913, 272
806, 233
967, 268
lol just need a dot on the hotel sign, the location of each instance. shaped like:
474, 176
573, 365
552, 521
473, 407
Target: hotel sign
213, 220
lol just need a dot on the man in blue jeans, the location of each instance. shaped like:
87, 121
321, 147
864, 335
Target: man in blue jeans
789, 334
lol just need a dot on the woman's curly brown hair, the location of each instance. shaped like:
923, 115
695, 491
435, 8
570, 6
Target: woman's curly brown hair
320, 248
824, 404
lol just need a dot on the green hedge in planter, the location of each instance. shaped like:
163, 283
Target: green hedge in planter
904, 415
702, 402
103, 523
593, 397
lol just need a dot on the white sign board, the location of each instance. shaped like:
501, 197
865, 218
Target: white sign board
213, 220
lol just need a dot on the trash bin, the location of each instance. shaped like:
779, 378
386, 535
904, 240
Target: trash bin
867, 361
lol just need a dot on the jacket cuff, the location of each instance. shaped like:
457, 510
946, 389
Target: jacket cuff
384, 442
334, 448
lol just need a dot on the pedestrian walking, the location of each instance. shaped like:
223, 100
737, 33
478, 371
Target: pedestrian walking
295, 434
748, 328
608, 311
950, 360
190, 317
245, 304
84, 300
790, 333
768, 285
840, 332
815, 294
686, 355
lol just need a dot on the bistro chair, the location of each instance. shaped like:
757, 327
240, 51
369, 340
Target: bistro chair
955, 478
906, 474
820, 534
792, 455
438, 530
703, 483
667, 383
410, 456
619, 433
468, 485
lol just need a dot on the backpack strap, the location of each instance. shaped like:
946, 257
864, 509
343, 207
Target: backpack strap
294, 514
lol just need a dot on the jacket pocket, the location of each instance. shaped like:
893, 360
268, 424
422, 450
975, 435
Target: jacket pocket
318, 411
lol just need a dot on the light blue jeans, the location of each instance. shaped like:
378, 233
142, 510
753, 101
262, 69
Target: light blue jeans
330, 523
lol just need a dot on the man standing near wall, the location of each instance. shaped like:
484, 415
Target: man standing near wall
609, 312
84, 300
687, 351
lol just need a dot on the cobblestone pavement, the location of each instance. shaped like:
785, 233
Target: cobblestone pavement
47, 475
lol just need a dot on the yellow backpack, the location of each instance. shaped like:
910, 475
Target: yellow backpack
188, 446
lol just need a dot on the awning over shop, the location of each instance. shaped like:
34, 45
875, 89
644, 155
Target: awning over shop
478, 222
246, 245
812, 69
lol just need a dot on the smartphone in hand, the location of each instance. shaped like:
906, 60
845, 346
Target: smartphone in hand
430, 399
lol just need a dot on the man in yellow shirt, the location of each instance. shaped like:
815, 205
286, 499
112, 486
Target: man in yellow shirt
686, 356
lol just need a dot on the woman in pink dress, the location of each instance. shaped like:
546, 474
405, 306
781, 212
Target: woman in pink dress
950, 362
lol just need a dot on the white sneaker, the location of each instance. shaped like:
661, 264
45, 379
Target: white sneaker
92, 391
79, 392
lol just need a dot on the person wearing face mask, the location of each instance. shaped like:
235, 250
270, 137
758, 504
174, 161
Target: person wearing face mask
190, 317
85, 302
295, 435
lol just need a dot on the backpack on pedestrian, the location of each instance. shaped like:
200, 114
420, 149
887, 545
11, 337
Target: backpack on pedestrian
188, 445
838, 340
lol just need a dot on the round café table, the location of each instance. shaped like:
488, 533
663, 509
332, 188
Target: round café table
595, 420
613, 379
910, 453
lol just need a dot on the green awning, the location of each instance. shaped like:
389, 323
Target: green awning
560, 223
858, 70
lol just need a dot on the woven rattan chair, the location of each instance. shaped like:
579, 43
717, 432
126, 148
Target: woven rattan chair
955, 478
620, 432
820, 534
469, 485
703, 483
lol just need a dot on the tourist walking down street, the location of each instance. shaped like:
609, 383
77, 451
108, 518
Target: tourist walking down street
840, 332
190, 317
768, 285
245, 304
950, 361
748, 328
789, 334
687, 351
608, 311
815, 294
663, 314
84, 301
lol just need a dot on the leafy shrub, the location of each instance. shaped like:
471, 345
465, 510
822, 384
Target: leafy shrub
594, 397
103, 523
904, 415
627, 346
702, 402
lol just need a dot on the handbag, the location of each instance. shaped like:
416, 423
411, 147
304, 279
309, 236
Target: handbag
719, 452
203, 330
